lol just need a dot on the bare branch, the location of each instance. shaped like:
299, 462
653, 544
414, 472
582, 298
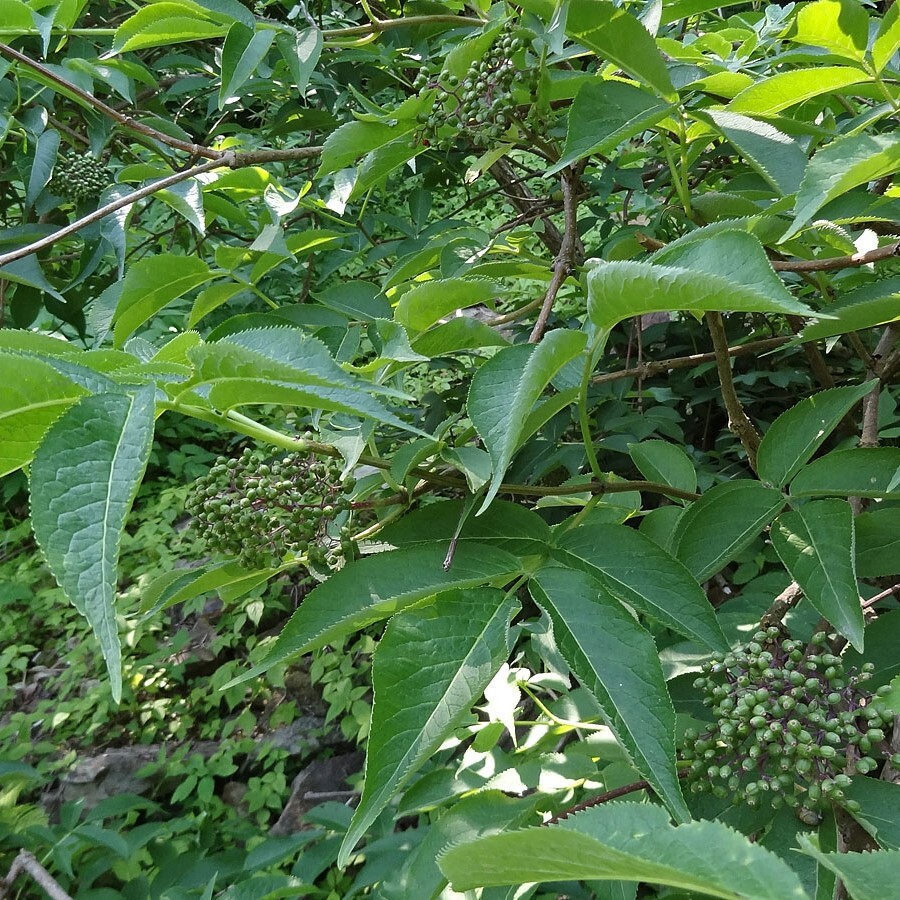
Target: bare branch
26, 862
782, 605
879, 360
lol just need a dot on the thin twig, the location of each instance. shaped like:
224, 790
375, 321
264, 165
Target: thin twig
869, 432
26, 862
738, 422
382, 25
520, 196
565, 259
888, 592
660, 367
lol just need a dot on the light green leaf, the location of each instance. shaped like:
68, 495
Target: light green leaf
348, 143
725, 520
863, 472
150, 284
460, 333
84, 478
473, 462
639, 572
840, 26
772, 95
505, 389
690, 276
430, 301
427, 672
211, 298
878, 543
841, 166
605, 113
665, 463
627, 841
867, 876
618, 37
165, 23
797, 433
873, 304
616, 660
777, 157
887, 41
816, 544
34, 395
187, 200
379, 586
244, 49
301, 52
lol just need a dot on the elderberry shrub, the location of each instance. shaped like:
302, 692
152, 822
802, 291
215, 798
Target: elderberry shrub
483, 105
260, 509
791, 723
79, 178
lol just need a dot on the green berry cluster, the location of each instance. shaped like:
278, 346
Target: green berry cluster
791, 722
483, 104
79, 178
260, 509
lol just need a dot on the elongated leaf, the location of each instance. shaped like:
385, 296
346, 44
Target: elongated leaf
506, 387
878, 543
45, 149
211, 298
879, 801
777, 157
616, 660
639, 572
379, 586
460, 333
301, 52
816, 544
426, 303
873, 304
429, 668
186, 199
840, 26
83, 481
150, 284
840, 167
727, 518
690, 277
34, 394
351, 141
772, 95
244, 49
618, 37
869, 472
887, 41
867, 876
666, 463
605, 113
155, 26
627, 841
796, 434
512, 527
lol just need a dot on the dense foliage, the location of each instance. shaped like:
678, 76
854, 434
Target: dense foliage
542, 355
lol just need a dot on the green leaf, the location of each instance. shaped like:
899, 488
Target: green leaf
45, 149
777, 157
426, 303
887, 41
878, 543
512, 527
840, 167
150, 284
863, 472
626, 841
772, 95
616, 660
301, 52
460, 333
727, 518
244, 49
691, 276
348, 143
867, 876
429, 668
379, 586
639, 572
879, 801
815, 543
34, 395
605, 113
165, 23
840, 26
870, 305
84, 478
797, 433
211, 298
618, 37
665, 463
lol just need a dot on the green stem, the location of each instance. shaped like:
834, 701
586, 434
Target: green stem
567, 723
584, 422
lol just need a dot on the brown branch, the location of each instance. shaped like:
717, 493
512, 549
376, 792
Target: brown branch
660, 367
738, 422
781, 605
521, 198
26, 862
381, 25
888, 592
879, 358
565, 259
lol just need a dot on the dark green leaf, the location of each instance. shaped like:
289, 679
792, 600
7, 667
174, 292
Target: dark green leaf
867, 876
863, 472
878, 543
664, 463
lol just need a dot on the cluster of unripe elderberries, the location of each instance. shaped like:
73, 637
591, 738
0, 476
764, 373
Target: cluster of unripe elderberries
260, 509
483, 104
79, 178
791, 723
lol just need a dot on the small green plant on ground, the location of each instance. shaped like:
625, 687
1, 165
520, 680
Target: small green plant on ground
550, 350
